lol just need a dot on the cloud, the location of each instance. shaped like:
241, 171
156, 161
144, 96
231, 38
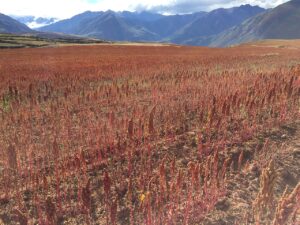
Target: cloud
267, 3
67, 8
183, 6
190, 6
49, 8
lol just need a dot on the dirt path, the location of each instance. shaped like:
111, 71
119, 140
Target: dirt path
243, 187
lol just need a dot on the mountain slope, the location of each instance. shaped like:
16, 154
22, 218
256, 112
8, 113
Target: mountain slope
111, 27
72, 25
141, 16
283, 22
215, 22
168, 25
146, 26
105, 25
9, 25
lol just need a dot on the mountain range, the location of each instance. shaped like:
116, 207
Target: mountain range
147, 26
220, 27
34, 22
9, 25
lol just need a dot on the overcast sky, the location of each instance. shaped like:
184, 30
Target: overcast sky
67, 8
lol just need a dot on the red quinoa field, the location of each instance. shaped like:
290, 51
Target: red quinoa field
154, 135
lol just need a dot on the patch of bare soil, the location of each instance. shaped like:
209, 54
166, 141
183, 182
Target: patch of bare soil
260, 192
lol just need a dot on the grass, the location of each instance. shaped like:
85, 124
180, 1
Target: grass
25, 41
275, 43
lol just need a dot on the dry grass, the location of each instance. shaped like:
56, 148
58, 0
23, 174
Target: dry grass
287, 44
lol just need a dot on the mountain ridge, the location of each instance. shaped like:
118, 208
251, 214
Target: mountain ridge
10, 25
147, 26
281, 22
33, 21
215, 22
